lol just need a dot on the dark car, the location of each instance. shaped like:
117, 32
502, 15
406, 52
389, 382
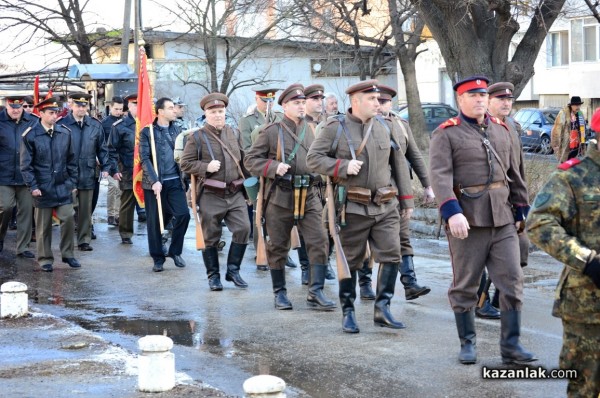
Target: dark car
537, 126
435, 114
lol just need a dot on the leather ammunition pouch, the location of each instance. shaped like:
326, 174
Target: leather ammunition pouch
359, 195
215, 186
384, 195
236, 185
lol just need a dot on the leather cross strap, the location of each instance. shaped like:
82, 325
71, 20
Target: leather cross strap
364, 141
297, 139
236, 160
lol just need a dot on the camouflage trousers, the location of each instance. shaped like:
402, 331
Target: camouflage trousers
580, 351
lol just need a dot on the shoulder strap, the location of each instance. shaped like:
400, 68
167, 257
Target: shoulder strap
393, 143
348, 138
198, 144
338, 134
365, 139
280, 144
208, 146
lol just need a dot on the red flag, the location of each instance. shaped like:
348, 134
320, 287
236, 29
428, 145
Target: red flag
36, 94
145, 117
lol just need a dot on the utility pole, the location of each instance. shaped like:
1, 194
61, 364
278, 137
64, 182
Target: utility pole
136, 32
125, 35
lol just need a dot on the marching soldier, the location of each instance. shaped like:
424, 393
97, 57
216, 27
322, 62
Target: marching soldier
213, 155
121, 145
113, 201
49, 169
361, 151
314, 103
292, 197
563, 222
13, 191
476, 177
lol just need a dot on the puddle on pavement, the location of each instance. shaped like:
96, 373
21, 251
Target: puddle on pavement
187, 333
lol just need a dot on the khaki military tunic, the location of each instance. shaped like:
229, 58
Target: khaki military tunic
459, 159
216, 207
564, 223
383, 167
262, 160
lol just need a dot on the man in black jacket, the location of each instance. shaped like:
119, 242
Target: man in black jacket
113, 198
49, 169
166, 182
13, 192
87, 137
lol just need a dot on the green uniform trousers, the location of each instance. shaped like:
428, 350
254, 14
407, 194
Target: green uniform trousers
11, 196
43, 232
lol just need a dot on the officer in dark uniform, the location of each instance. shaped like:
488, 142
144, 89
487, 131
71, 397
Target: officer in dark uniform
87, 137
121, 145
213, 154
476, 177
166, 182
49, 169
13, 191
361, 150
113, 201
292, 197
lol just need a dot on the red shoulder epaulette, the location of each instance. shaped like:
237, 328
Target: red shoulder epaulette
450, 122
498, 121
569, 163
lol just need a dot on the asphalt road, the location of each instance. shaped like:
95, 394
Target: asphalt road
224, 337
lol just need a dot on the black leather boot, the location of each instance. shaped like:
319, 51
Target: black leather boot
364, 282
210, 255
347, 293
304, 263
281, 300
412, 289
386, 283
465, 325
496, 299
510, 330
234, 260
316, 298
330, 274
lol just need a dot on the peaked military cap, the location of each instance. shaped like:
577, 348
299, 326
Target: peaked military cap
214, 100
15, 101
266, 93
295, 91
314, 91
51, 104
501, 90
82, 99
366, 86
473, 84
386, 92
131, 98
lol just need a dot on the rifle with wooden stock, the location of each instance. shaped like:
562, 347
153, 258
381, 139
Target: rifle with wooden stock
343, 270
261, 249
200, 245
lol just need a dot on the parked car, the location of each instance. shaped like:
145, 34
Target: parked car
435, 114
536, 128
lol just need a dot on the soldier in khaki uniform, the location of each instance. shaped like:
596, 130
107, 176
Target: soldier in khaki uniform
475, 176
361, 150
265, 97
213, 154
564, 223
314, 103
279, 154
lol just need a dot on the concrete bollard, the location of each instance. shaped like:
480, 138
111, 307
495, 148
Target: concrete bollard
156, 364
14, 300
264, 386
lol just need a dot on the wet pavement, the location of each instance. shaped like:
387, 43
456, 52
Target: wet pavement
222, 338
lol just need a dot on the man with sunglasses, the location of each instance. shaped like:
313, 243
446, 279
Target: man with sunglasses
13, 191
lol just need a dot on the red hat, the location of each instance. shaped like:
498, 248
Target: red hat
51, 104
473, 84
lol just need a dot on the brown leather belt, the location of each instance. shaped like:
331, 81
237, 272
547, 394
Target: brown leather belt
478, 188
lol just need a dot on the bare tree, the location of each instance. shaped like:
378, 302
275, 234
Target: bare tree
594, 7
475, 36
65, 22
242, 27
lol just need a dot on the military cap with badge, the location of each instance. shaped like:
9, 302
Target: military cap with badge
293, 92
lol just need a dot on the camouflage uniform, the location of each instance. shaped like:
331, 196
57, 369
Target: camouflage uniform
564, 223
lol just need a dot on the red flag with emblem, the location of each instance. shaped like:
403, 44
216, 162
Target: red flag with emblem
145, 117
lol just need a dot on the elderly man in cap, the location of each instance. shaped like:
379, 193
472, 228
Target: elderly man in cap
412, 290
214, 156
331, 105
49, 169
500, 106
121, 145
361, 151
87, 138
13, 191
292, 197
483, 200
165, 181
568, 132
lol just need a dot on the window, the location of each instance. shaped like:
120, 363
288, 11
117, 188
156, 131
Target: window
335, 67
558, 52
584, 40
